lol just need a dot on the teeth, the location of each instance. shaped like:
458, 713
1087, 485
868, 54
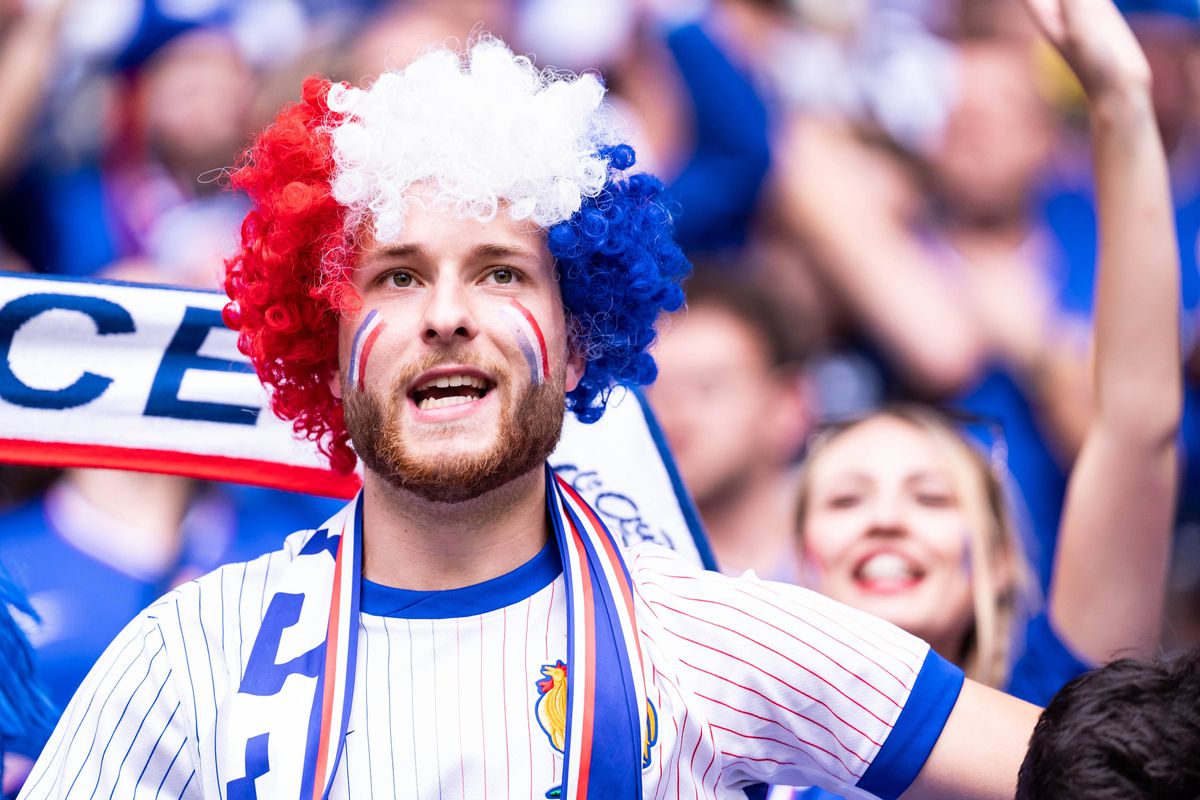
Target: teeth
887, 566
442, 402
447, 381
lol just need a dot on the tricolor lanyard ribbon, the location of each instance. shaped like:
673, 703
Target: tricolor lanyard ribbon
605, 687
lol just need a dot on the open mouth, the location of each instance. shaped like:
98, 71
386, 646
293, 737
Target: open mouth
887, 571
444, 391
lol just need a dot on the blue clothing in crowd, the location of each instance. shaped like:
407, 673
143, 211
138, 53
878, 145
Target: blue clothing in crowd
85, 602
717, 190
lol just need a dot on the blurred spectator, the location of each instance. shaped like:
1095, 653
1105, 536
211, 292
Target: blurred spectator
185, 119
398, 32
983, 293
903, 517
701, 122
26, 717
735, 413
28, 34
997, 226
100, 545
718, 187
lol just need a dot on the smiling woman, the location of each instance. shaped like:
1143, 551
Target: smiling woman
902, 517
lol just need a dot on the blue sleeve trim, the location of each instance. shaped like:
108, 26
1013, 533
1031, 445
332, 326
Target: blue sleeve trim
916, 730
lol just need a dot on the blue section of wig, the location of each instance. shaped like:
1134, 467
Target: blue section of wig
619, 268
26, 715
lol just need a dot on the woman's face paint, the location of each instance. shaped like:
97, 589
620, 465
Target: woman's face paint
530, 339
364, 339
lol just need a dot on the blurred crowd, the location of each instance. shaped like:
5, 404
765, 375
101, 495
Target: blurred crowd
886, 201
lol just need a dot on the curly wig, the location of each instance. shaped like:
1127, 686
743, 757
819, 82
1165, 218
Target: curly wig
610, 234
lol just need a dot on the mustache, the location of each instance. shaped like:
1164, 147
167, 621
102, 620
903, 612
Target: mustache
499, 372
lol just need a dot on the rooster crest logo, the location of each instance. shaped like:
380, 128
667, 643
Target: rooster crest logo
551, 711
551, 707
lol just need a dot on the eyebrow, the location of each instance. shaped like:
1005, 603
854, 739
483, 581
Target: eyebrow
482, 251
858, 476
929, 475
398, 250
505, 251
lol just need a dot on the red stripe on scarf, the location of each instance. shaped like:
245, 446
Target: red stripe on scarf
311, 480
587, 691
331, 662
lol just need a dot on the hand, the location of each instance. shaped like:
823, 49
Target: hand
1096, 42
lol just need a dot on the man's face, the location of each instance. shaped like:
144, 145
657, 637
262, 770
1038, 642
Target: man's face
453, 372
727, 413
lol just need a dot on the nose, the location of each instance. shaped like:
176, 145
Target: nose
887, 517
448, 316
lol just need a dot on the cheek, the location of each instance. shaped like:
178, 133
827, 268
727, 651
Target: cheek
363, 343
530, 340
948, 538
826, 539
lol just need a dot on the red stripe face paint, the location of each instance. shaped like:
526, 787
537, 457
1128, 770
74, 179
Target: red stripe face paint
364, 339
530, 339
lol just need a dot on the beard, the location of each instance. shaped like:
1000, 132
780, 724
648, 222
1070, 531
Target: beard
530, 426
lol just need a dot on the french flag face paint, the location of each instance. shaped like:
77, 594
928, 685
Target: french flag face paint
529, 339
364, 339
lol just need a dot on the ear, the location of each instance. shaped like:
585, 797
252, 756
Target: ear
576, 366
335, 384
790, 419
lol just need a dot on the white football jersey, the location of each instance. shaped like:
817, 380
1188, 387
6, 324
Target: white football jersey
748, 682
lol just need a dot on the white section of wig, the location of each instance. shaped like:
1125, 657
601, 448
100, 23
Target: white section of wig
469, 138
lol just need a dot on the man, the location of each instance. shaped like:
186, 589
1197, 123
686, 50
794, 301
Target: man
731, 401
434, 265
1127, 730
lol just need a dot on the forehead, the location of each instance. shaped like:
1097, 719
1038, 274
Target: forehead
882, 448
707, 335
439, 235
994, 71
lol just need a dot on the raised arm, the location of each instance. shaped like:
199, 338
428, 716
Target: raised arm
1108, 579
847, 204
1106, 595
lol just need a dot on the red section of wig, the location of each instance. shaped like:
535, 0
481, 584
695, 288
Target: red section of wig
290, 279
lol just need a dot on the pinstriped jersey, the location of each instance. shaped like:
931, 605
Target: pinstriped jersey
457, 691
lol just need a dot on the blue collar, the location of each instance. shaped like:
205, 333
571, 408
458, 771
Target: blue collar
504, 590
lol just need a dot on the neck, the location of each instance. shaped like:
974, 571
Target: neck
755, 527
413, 543
140, 514
1005, 232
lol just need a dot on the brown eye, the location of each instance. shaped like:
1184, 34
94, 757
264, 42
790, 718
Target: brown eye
401, 280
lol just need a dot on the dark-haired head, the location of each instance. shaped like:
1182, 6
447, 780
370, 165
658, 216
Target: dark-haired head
1127, 731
